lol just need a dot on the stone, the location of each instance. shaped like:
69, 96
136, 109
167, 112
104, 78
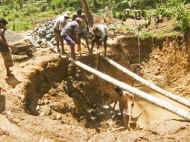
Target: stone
58, 116
42, 33
49, 37
45, 110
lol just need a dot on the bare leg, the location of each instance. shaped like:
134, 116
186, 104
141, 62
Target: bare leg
98, 45
121, 108
72, 51
87, 45
57, 41
7, 61
114, 105
132, 105
126, 120
62, 44
91, 51
105, 47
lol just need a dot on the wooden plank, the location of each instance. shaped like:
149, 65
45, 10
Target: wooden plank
174, 97
154, 100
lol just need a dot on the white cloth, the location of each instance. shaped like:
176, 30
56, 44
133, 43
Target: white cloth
60, 22
102, 30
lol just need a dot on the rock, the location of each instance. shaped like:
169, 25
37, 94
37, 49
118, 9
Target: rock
101, 113
53, 117
49, 36
44, 33
58, 116
105, 106
45, 110
93, 118
46, 101
39, 41
53, 41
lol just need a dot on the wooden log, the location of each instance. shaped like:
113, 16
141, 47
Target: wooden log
174, 97
154, 100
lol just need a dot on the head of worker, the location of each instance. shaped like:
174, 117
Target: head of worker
3, 23
78, 20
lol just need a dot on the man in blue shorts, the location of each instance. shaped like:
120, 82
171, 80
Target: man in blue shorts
71, 34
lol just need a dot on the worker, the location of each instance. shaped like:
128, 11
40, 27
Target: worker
4, 47
84, 30
71, 34
100, 35
60, 22
125, 108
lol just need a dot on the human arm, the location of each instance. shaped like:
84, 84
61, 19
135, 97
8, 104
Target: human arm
3, 41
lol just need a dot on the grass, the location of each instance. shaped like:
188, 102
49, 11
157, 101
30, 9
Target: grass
27, 17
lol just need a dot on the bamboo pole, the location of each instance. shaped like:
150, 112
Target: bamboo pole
174, 97
154, 100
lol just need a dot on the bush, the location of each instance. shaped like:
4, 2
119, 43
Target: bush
183, 19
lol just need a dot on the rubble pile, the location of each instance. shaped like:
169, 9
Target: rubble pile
44, 33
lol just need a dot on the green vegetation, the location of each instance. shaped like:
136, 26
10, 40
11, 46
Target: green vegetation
24, 18
24, 14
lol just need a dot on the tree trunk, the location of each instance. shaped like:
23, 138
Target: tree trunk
87, 12
21, 3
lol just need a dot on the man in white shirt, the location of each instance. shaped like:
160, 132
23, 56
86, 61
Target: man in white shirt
100, 35
60, 22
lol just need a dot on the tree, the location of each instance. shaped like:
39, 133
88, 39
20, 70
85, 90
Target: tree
87, 12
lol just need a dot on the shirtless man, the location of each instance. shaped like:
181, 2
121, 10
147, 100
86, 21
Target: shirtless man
124, 105
71, 34
4, 47
60, 22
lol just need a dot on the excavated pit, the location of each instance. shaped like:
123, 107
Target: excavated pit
62, 79
59, 93
90, 94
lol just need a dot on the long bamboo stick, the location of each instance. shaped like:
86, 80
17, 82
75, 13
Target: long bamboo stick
174, 97
154, 100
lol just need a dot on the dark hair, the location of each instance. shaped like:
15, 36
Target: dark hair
3, 21
74, 17
118, 90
